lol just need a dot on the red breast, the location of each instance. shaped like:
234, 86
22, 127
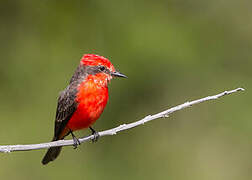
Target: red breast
92, 98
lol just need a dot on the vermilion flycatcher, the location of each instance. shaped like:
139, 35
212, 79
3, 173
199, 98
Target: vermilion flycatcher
83, 100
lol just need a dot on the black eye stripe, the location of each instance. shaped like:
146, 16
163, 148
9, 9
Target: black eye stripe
102, 68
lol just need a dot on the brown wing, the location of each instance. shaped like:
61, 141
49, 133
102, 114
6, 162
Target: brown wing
65, 109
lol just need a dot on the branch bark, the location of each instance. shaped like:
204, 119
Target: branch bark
114, 131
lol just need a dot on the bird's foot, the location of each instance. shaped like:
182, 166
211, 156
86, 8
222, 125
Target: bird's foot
76, 140
96, 135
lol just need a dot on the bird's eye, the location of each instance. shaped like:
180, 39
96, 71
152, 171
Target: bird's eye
101, 68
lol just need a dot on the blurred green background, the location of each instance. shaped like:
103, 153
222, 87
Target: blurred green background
172, 51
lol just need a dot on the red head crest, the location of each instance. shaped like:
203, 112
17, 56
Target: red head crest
95, 60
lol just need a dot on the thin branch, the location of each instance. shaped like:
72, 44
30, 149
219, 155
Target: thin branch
164, 114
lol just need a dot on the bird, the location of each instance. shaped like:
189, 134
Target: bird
82, 102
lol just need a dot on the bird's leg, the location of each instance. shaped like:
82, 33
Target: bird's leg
75, 139
96, 134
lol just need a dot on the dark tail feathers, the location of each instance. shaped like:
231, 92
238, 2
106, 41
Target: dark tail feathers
51, 154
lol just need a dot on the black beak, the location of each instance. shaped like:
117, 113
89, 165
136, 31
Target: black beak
117, 74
